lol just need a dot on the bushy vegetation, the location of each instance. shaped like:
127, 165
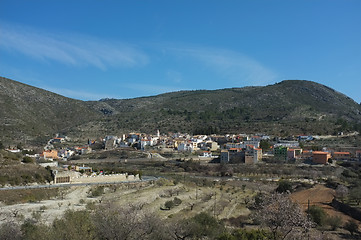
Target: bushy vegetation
318, 215
17, 174
284, 186
244, 234
10, 197
114, 222
172, 203
290, 107
96, 191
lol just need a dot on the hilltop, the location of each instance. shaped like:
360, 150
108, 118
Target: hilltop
293, 106
288, 107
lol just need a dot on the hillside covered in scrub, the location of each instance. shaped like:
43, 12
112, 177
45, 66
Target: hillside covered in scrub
29, 114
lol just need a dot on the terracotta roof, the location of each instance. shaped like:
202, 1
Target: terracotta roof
344, 153
320, 152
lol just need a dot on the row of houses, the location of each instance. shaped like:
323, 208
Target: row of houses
317, 157
179, 142
235, 148
64, 154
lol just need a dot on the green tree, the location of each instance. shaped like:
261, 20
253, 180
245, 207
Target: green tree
265, 145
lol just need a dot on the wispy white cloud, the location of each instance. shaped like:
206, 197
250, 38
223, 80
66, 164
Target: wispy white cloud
70, 49
235, 66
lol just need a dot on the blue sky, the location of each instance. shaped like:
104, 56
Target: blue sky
123, 49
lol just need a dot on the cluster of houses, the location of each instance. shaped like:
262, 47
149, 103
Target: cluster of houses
227, 149
241, 148
293, 153
230, 148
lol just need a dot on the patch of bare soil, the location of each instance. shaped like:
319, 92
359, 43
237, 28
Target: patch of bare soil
321, 196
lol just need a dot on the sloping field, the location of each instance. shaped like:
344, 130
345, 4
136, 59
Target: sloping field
223, 202
321, 196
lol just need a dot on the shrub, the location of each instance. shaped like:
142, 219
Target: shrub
334, 222
318, 215
27, 159
169, 204
284, 186
351, 226
98, 191
206, 225
244, 234
177, 201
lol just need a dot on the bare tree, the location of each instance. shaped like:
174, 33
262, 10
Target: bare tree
9, 231
341, 192
130, 222
282, 216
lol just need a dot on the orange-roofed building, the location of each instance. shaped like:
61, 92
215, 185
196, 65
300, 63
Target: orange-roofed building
294, 153
320, 157
235, 149
51, 154
341, 155
306, 154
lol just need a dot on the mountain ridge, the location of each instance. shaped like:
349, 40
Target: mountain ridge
287, 107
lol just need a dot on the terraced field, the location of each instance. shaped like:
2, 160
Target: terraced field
221, 200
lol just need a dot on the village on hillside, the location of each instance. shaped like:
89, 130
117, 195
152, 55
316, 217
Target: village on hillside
245, 149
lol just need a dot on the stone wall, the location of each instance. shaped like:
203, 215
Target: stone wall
76, 177
105, 178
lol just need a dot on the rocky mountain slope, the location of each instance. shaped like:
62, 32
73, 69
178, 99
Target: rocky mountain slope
289, 107
30, 113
